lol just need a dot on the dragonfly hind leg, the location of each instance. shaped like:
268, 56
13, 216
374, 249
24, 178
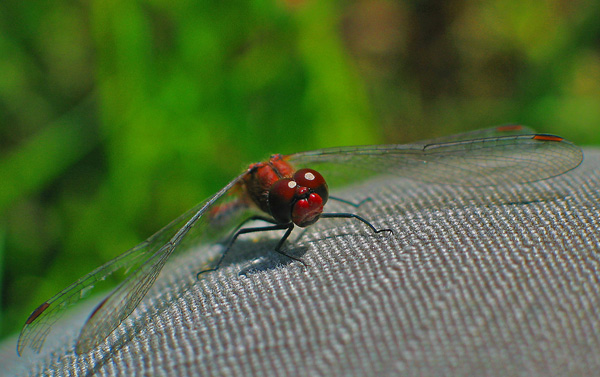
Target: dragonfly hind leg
353, 204
344, 215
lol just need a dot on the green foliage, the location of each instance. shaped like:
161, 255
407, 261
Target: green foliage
115, 117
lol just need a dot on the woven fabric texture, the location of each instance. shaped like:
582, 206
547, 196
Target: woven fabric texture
499, 281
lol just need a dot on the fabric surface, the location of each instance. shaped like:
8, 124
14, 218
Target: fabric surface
499, 281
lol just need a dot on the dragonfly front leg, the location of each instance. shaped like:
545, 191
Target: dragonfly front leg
289, 227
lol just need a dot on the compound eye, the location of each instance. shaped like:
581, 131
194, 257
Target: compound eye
313, 180
281, 197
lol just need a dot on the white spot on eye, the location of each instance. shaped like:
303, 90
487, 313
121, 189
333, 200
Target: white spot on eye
292, 184
309, 176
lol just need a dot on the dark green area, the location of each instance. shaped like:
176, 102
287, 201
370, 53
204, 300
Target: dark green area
115, 117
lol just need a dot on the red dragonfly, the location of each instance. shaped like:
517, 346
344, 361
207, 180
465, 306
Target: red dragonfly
275, 191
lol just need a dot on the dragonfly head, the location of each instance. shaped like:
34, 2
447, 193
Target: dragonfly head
299, 199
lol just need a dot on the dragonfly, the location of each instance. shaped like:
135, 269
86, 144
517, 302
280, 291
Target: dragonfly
288, 191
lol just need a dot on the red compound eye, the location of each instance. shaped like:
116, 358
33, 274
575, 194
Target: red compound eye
313, 180
281, 198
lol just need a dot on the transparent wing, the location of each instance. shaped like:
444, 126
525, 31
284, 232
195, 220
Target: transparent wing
508, 154
123, 300
146, 260
503, 155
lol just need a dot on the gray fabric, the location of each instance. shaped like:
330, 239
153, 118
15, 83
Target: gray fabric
500, 281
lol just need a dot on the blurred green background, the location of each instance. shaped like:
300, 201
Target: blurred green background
115, 117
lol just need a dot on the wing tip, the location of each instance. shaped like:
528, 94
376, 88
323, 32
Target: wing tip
36, 313
547, 137
23, 341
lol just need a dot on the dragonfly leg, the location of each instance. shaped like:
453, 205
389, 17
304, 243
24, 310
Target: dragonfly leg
282, 240
253, 230
354, 216
353, 204
252, 218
